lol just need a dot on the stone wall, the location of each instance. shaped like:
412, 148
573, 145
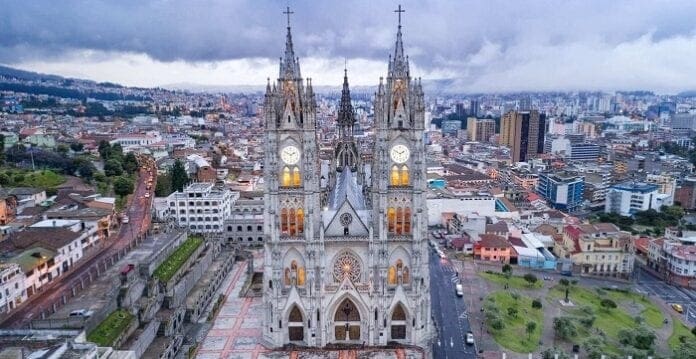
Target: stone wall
176, 295
205, 289
139, 345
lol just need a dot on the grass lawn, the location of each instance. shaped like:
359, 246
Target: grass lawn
166, 270
612, 321
24, 178
109, 330
515, 281
679, 330
514, 336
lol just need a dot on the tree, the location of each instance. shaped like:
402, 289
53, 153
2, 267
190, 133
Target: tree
507, 269
564, 282
536, 304
512, 312
553, 353
104, 149
530, 278
594, 346
179, 176
497, 324
123, 186
116, 151
693, 330
62, 149
531, 326
113, 167
607, 304
564, 328
686, 350
86, 170
2, 148
163, 188
4, 179
77, 147
130, 163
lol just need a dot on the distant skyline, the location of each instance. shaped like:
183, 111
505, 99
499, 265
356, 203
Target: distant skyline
483, 46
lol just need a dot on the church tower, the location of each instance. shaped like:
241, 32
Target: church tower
352, 268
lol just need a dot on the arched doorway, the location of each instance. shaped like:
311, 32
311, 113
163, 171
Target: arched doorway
347, 321
398, 322
295, 325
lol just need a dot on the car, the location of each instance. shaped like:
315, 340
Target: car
459, 289
469, 338
678, 308
81, 313
125, 219
147, 194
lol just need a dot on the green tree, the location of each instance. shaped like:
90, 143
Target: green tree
531, 326
512, 312
77, 147
163, 188
4, 179
536, 304
86, 170
62, 149
685, 350
693, 330
2, 148
530, 278
553, 353
497, 324
117, 151
564, 328
104, 150
113, 167
123, 186
594, 346
179, 176
130, 163
607, 304
507, 269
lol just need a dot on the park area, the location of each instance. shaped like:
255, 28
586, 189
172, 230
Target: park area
108, 331
526, 315
171, 265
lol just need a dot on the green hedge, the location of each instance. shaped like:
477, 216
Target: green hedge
171, 265
111, 328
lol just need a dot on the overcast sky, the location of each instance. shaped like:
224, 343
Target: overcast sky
485, 46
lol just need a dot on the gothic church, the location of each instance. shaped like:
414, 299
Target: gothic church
345, 258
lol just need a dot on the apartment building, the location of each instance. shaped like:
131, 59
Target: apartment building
201, 207
245, 223
12, 291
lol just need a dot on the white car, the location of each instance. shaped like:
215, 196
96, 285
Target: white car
147, 194
459, 289
81, 313
125, 219
470, 338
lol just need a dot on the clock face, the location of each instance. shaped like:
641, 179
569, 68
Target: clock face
290, 155
400, 153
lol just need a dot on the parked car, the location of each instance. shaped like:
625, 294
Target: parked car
125, 219
469, 338
459, 289
81, 313
678, 308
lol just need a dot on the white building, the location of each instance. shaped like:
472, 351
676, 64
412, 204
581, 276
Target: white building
12, 291
201, 207
666, 185
630, 197
133, 141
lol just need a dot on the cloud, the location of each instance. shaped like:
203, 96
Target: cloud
483, 45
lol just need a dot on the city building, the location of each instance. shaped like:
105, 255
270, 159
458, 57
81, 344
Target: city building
480, 129
563, 191
628, 198
245, 223
584, 152
450, 127
8, 207
675, 259
12, 291
685, 193
597, 249
324, 287
201, 207
493, 248
666, 185
522, 131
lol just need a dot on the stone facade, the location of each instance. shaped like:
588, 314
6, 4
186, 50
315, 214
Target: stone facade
345, 263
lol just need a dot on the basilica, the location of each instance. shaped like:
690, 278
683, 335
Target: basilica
345, 258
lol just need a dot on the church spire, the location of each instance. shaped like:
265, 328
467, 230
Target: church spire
289, 64
346, 119
399, 63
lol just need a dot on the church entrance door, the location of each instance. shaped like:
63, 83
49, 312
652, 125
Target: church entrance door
347, 322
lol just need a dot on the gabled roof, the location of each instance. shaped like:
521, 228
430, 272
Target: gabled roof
347, 189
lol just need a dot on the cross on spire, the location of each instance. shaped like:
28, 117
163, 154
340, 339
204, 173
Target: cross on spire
288, 13
399, 10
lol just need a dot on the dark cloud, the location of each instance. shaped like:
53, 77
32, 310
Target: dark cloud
452, 36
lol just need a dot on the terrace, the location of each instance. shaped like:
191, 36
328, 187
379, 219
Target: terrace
173, 263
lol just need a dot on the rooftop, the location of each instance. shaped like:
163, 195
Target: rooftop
640, 187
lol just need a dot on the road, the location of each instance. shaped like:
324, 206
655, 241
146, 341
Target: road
138, 212
647, 283
449, 311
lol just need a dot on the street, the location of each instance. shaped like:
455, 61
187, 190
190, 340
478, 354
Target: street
647, 283
139, 214
449, 311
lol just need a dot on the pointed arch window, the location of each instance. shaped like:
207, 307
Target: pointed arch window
398, 323
407, 220
295, 325
395, 176
292, 229
286, 177
399, 220
296, 178
300, 221
404, 176
391, 219
284, 220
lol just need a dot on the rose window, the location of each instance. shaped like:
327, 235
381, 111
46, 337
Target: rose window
347, 265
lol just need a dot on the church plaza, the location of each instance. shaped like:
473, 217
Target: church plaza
236, 330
